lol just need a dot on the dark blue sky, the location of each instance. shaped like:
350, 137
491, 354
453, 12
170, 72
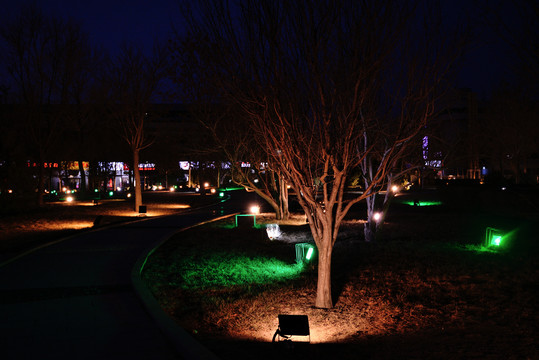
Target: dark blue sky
112, 22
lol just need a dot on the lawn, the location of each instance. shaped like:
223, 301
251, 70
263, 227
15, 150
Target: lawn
426, 289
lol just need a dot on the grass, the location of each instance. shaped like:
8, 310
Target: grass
223, 285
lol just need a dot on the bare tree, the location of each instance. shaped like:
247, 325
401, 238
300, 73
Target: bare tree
41, 55
308, 75
232, 136
405, 112
134, 80
509, 135
249, 164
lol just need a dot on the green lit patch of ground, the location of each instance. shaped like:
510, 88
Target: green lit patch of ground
222, 269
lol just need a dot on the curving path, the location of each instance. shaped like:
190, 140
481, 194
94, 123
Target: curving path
76, 300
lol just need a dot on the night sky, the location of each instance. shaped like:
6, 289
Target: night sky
112, 22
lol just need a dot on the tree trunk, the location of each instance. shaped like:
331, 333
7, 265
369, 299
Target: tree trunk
370, 226
370, 231
283, 199
41, 184
82, 188
323, 293
136, 174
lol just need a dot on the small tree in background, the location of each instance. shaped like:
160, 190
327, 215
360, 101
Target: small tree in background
133, 80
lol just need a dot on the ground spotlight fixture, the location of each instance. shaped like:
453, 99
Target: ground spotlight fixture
304, 253
377, 216
292, 325
395, 189
494, 237
244, 220
69, 199
273, 231
255, 209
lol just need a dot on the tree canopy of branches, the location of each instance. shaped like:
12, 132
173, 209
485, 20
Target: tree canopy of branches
316, 79
45, 58
133, 80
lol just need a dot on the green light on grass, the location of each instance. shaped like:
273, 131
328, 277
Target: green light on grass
111, 193
221, 194
227, 269
497, 240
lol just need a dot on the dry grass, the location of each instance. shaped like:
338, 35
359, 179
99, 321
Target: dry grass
422, 291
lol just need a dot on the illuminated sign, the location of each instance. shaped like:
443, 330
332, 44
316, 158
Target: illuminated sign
146, 166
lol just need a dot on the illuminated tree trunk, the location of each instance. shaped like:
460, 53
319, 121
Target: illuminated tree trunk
136, 174
283, 199
323, 292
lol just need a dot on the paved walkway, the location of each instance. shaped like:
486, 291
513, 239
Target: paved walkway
81, 298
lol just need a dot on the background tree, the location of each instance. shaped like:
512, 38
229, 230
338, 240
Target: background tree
402, 116
231, 136
82, 121
249, 165
133, 80
509, 132
40, 55
306, 74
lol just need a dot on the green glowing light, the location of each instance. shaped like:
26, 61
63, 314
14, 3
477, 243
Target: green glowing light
422, 203
221, 194
494, 237
96, 190
304, 252
309, 254
111, 193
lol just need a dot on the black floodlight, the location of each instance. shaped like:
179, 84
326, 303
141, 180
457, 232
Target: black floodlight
292, 325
